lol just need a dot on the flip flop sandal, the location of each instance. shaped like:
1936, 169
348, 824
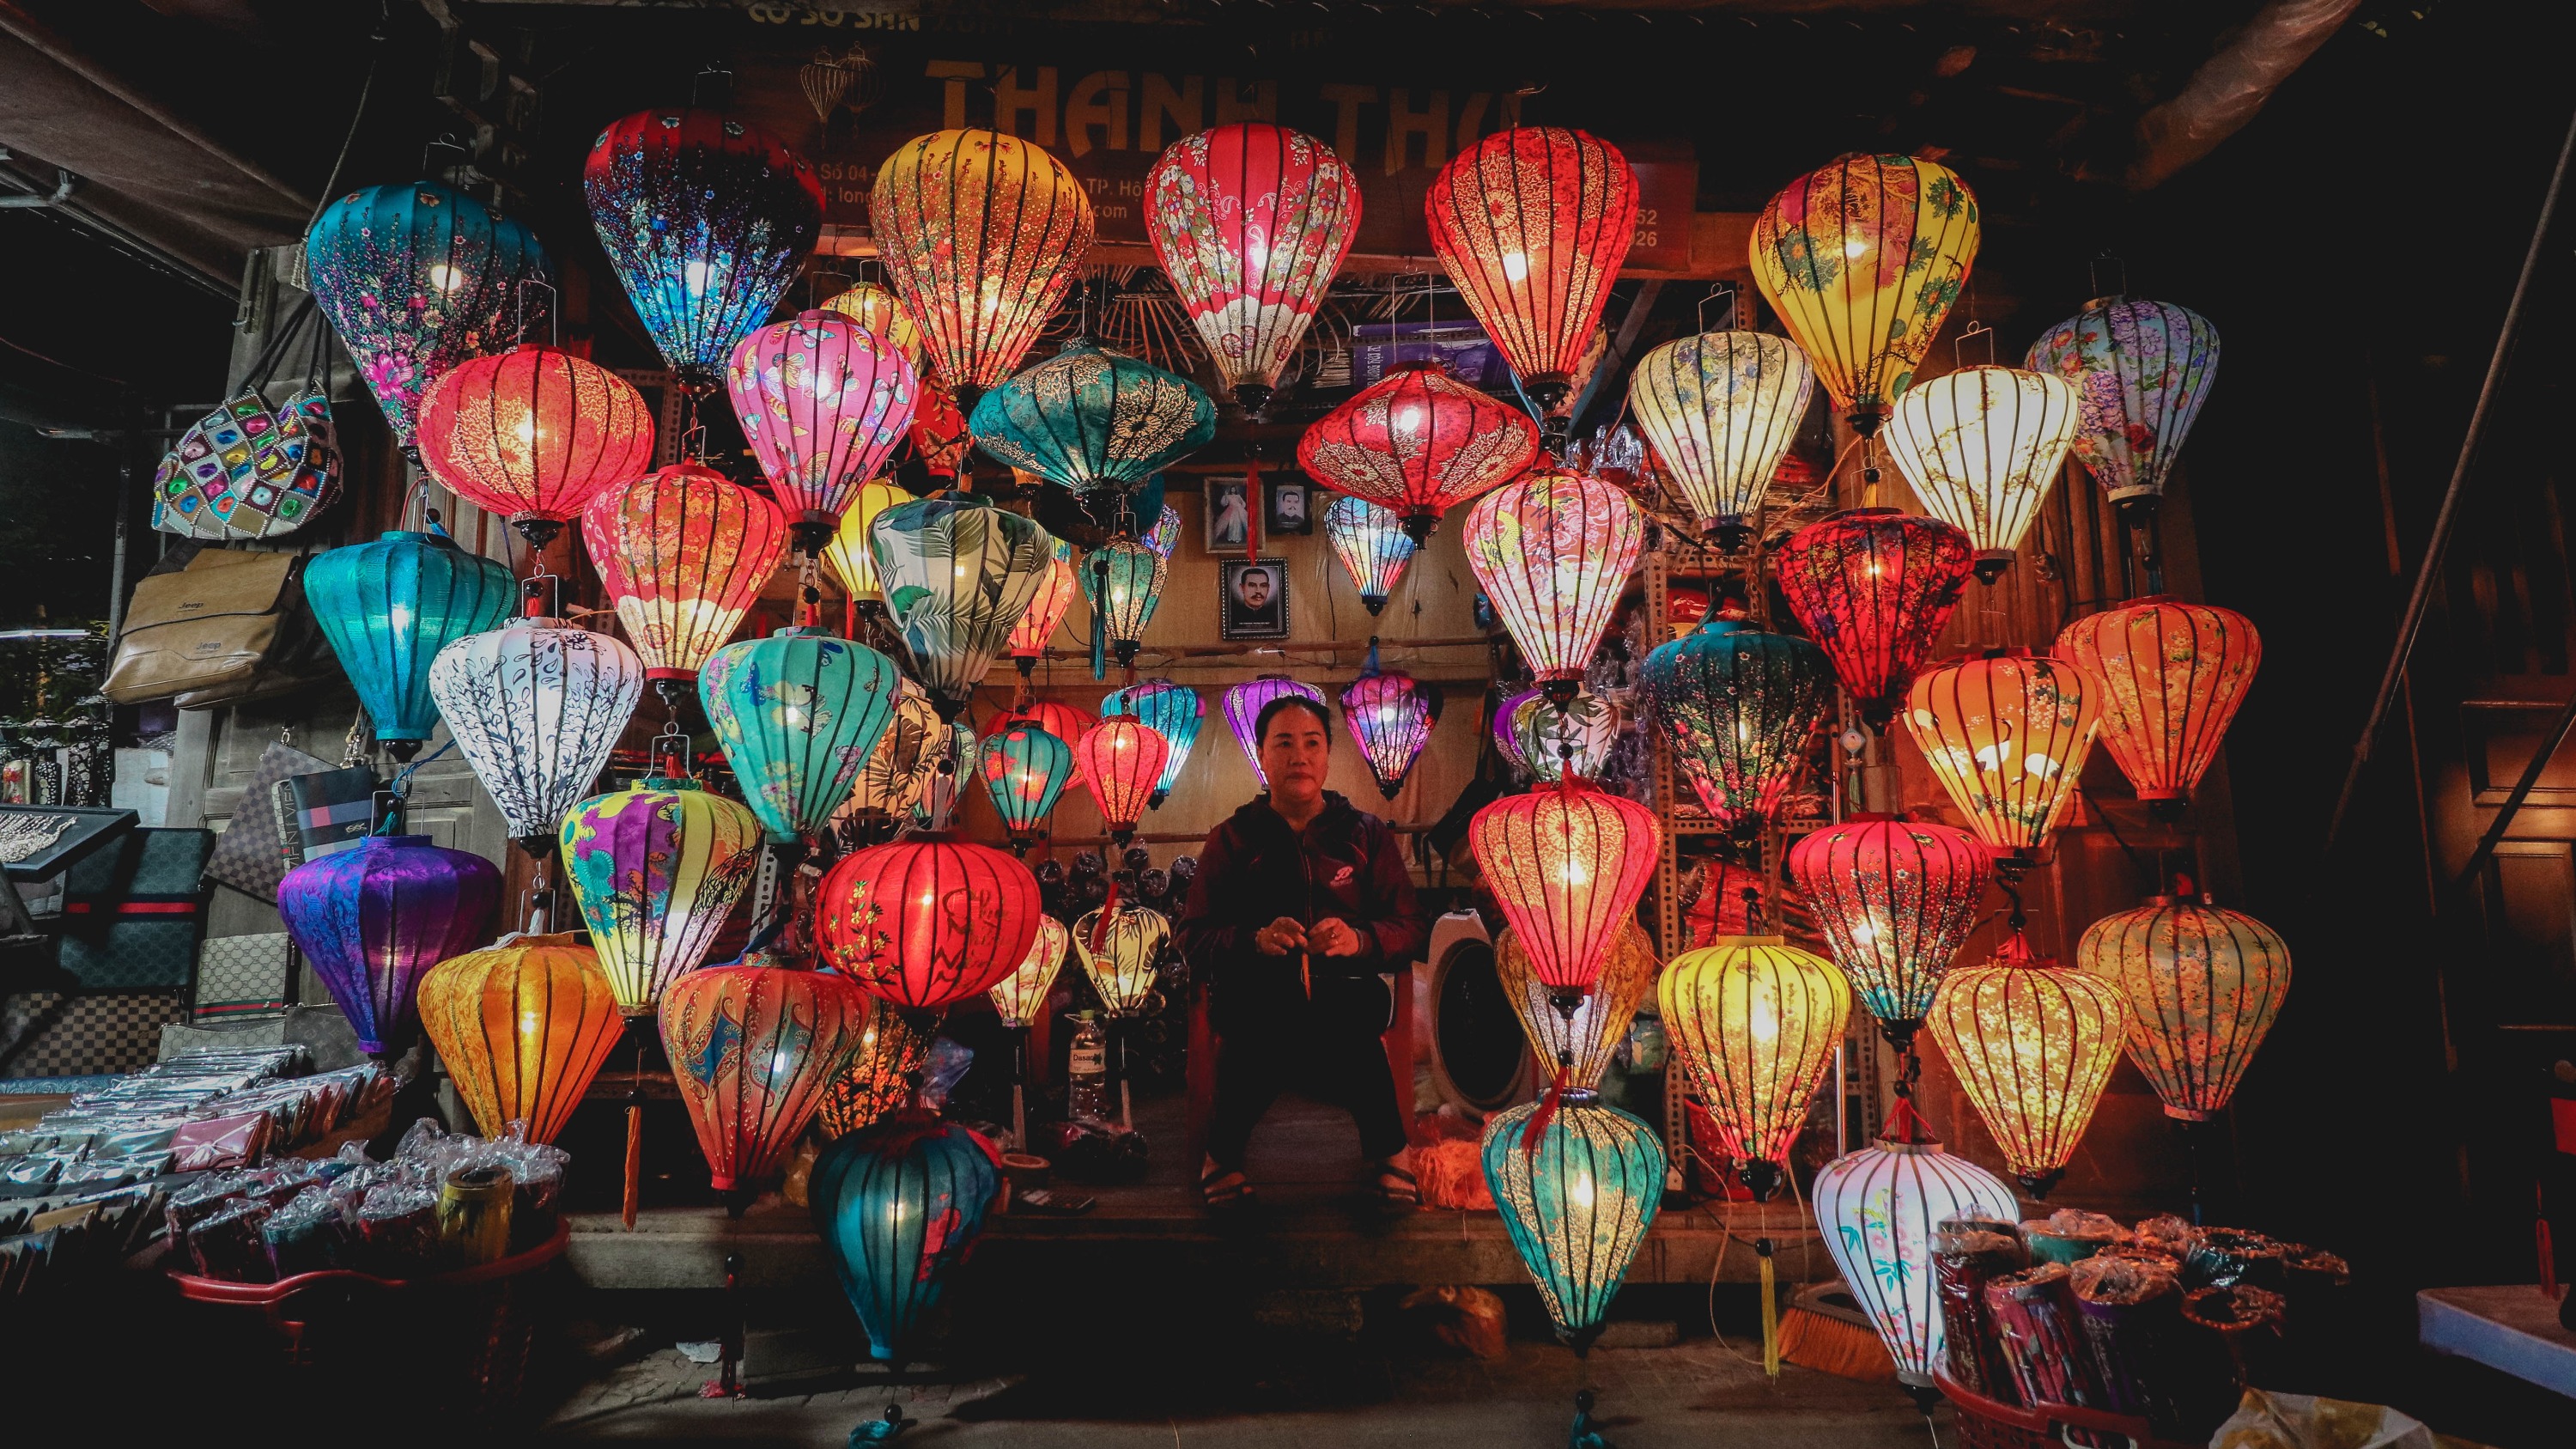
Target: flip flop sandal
1398, 1188
1224, 1188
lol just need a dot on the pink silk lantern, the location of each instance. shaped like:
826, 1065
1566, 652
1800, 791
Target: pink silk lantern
823, 402
1553, 550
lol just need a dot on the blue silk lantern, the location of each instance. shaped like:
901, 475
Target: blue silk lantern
1025, 768
417, 278
797, 715
1173, 711
1578, 1184
1123, 580
898, 1206
1090, 418
388, 607
374, 920
1737, 706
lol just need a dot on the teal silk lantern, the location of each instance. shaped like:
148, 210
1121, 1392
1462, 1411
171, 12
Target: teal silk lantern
388, 607
957, 574
1025, 768
1738, 706
1090, 418
898, 1206
1173, 711
1123, 579
798, 714
1578, 1184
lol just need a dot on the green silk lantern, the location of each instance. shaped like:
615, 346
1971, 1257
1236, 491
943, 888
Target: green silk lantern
1738, 706
957, 574
797, 715
388, 607
1025, 768
1123, 580
1089, 418
1578, 1184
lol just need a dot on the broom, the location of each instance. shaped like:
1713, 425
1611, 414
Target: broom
1825, 1330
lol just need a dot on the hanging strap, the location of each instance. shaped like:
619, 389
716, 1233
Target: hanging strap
265, 365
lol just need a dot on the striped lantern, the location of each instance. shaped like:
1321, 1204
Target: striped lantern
1877, 1209
927, 920
2203, 985
1721, 410
1567, 863
2173, 675
1873, 587
521, 1029
752, 1049
2006, 733
683, 553
1982, 447
655, 869
2032, 1043
1757, 1021
980, 235
1553, 550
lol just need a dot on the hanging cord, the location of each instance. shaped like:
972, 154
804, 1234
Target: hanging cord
399, 790
375, 62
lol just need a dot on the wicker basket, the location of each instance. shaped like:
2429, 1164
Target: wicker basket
1986, 1424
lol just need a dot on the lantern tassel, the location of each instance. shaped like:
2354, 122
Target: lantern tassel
1100, 926
1534, 1130
1770, 1311
2541, 1240
634, 1165
1099, 645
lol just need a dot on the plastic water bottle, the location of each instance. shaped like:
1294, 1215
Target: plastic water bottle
1087, 1070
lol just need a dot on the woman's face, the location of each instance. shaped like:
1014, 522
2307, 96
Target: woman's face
1294, 754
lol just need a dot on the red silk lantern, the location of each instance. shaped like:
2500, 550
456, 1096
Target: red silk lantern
1389, 717
1553, 552
683, 552
1028, 642
1064, 721
1532, 224
2172, 674
1895, 900
1418, 443
534, 434
939, 434
2006, 732
823, 402
1120, 761
927, 920
1873, 587
753, 1049
1567, 864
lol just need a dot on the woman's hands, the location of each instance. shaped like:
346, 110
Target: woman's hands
1330, 936
1280, 937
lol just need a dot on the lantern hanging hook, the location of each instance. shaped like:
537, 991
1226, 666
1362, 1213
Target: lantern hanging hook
1974, 330
2119, 268
444, 141
1734, 303
698, 83
554, 311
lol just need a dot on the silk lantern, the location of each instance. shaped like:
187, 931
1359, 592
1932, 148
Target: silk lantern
2203, 984
373, 920
957, 573
847, 551
522, 1029
683, 553
1021, 997
1553, 551
797, 715
536, 707
2141, 371
1877, 1210
2006, 734
1066, 722
2173, 675
706, 219
1982, 446
1583, 1043
1025, 768
1372, 545
884, 1074
416, 278
1566, 863
1721, 410
822, 402
2032, 1044
1122, 762
655, 869
1123, 581
1418, 444
1121, 950
935, 807
1757, 1022
1389, 717
898, 1208
534, 435
1550, 740
980, 234
926, 920
1873, 587
907, 754
880, 311
1578, 1186
1244, 704
752, 1049
1532, 223
939, 436
1895, 899
1862, 259
1738, 706
1089, 418
1170, 710
388, 607
1047, 608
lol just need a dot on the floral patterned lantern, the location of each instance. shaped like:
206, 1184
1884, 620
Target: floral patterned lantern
880, 311
655, 869
684, 552
823, 402
706, 219
900, 767
1249, 221
1419, 444
1721, 410
752, 1049
1123, 581
1895, 900
797, 714
1982, 447
1738, 707
1089, 418
1578, 1186
1873, 587
1757, 1021
534, 435
521, 1029
957, 573
1585, 1042
1553, 551
389, 607
898, 1207
1055, 595
1121, 949
1547, 740
2173, 675
536, 707
1021, 997
1067, 722
1025, 768
1567, 863
2006, 733
927, 920
1877, 1209
1372, 545
1244, 704
2141, 371
373, 920
2203, 984
1389, 717
936, 806
939, 436
1122, 761
980, 234
884, 1074
1174, 712
2032, 1044
848, 554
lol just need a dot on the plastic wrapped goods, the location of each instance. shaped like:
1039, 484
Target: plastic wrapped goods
1968, 1253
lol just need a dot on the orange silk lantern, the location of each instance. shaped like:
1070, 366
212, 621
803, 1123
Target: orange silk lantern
2006, 731
2203, 985
752, 1049
522, 1028
1756, 1021
2033, 1044
1056, 593
1120, 761
927, 920
980, 234
2172, 677
683, 552
534, 435
1553, 551
1567, 863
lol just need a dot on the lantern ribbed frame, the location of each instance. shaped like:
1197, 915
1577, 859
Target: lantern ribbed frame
1249, 221
1577, 1201
1553, 551
1533, 730
2006, 734
1532, 223
390, 606
1067, 722
1586, 1042
2173, 675
2032, 1043
533, 434
373, 920
1243, 706
894, 1047
1122, 761
980, 234
1123, 959
1089, 418
2203, 984
536, 707
797, 714
522, 1029
655, 869
1047, 608
1722, 410
1389, 717
1982, 446
847, 554
1738, 706
823, 402
1877, 1209
1419, 444
1025, 769
1873, 587
2141, 370
1372, 545
958, 574
1567, 863
1174, 711
897, 1209
1123, 581
752, 1049
1757, 1022
880, 311
683, 552
927, 920
1895, 900
1021, 997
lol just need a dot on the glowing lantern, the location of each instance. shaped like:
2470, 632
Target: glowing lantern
1172, 711
1585, 1042
522, 1029
898, 1207
1372, 545
1122, 955
957, 573
823, 402
1567, 863
2006, 734
2203, 984
706, 219
880, 311
2173, 675
1738, 706
1578, 1191
683, 553
373, 920
1244, 704
2032, 1043
1757, 1021
847, 552
534, 435
884, 1073
1056, 591
939, 436
1122, 761
927, 920
1064, 721
1166, 532
898, 769
655, 869
1021, 997
1419, 444
1982, 447
1548, 740
536, 707
797, 714
1123, 581
936, 805
2141, 370
416, 278
1025, 768
1089, 418
1862, 259
1250, 220
1895, 900
752, 1049
1553, 551
1389, 717
980, 234
1873, 587
1877, 1209
389, 607
1721, 410
1532, 224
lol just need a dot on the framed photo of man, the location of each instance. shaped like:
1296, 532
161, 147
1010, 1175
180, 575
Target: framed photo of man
1231, 502
1252, 600
1288, 509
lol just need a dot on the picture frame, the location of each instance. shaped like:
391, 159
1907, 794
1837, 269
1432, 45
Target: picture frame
1291, 508
1232, 501
1252, 598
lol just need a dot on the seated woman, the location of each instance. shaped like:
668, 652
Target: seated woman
1301, 900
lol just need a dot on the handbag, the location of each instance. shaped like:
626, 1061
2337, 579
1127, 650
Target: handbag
206, 625
247, 470
250, 855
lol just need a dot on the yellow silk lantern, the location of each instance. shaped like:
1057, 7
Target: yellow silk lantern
1122, 955
1019, 997
1982, 446
1721, 410
880, 311
522, 1028
981, 234
1757, 1022
2006, 732
1583, 1043
2033, 1044
848, 553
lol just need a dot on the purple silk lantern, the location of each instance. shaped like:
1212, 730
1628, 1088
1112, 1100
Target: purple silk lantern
374, 920
1243, 705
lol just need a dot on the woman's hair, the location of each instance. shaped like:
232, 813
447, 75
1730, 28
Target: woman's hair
1270, 711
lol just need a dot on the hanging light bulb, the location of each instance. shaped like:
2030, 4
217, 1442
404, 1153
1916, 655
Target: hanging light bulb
534, 435
521, 1029
1873, 587
1895, 900
389, 607
536, 707
1372, 545
847, 553
1553, 551
823, 402
752, 1049
1567, 865
373, 920
1578, 1191
2173, 675
1757, 1021
2142, 370
1121, 950
1876, 1210
880, 311
1244, 704
899, 768
2032, 1043
1089, 418
957, 573
980, 234
1170, 710
926, 920
1721, 410
1389, 717
1021, 997
1055, 595
2006, 734
2203, 985
1982, 447
797, 715
897, 1209
1419, 444
655, 869
1531, 223
1738, 707
1586, 1041
706, 219
1123, 581
1025, 768
683, 552
1165, 535
1862, 259
883, 1075
1122, 761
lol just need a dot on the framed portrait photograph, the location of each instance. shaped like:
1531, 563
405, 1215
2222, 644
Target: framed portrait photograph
1231, 501
1252, 599
1291, 508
